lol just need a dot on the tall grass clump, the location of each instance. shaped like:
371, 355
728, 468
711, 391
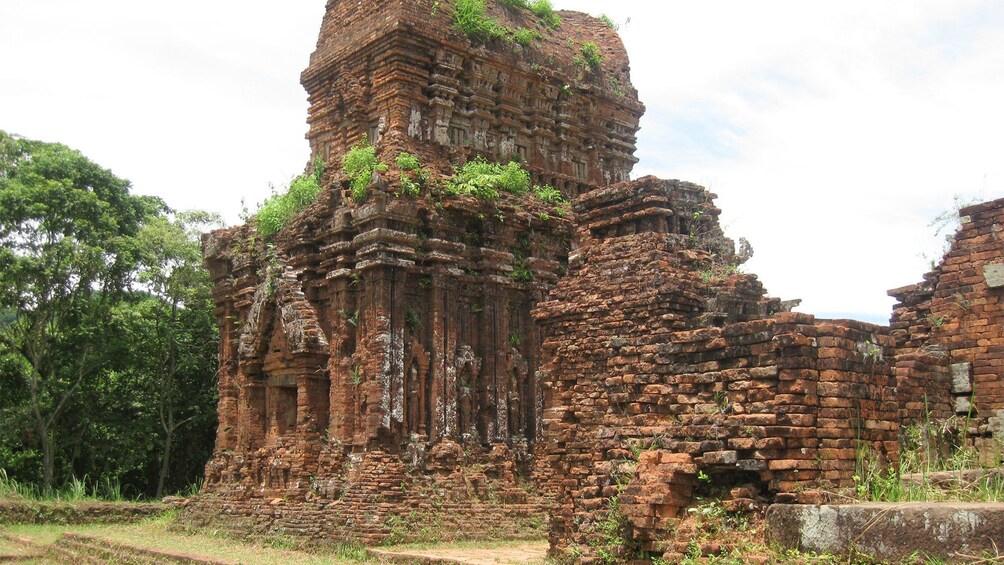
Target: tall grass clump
545, 11
107, 489
359, 164
927, 448
525, 36
471, 18
11, 488
280, 209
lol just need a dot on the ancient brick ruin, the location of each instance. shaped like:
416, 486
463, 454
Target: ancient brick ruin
404, 368
381, 356
658, 372
400, 73
949, 332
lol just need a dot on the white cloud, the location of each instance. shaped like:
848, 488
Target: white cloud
197, 102
832, 132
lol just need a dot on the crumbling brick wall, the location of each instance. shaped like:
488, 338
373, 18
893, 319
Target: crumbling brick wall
948, 329
643, 395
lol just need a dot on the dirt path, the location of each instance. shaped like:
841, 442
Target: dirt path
531, 552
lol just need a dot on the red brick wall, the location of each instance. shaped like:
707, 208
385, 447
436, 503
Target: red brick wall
950, 329
397, 71
642, 396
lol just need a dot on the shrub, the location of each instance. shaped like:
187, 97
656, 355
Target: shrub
516, 3
609, 22
485, 180
407, 162
589, 56
545, 11
359, 164
514, 179
521, 273
471, 19
409, 187
549, 194
525, 36
280, 209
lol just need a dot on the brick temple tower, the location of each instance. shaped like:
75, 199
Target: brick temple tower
384, 349
400, 73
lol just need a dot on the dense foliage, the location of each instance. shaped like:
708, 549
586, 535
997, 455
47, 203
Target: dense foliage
589, 56
107, 341
280, 209
545, 12
471, 18
485, 179
359, 164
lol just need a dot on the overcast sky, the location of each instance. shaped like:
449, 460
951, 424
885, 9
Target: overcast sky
832, 132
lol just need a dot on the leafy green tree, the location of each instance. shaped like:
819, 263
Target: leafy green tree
68, 249
182, 343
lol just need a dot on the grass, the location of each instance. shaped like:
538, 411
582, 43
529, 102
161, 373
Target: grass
545, 11
471, 18
878, 485
165, 534
927, 447
160, 534
8, 547
76, 490
501, 544
280, 209
359, 164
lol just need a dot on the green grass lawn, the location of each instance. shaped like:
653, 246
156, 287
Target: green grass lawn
158, 534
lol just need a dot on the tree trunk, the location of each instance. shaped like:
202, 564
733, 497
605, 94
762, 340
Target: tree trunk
48, 461
166, 462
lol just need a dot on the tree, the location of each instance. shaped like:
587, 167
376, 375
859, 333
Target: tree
68, 250
182, 343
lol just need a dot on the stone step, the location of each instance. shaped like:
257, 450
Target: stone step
951, 531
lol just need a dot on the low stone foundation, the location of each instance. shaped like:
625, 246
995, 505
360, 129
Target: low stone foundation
378, 498
30, 512
891, 532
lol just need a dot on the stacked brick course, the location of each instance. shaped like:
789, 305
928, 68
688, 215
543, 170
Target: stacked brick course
949, 333
642, 393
